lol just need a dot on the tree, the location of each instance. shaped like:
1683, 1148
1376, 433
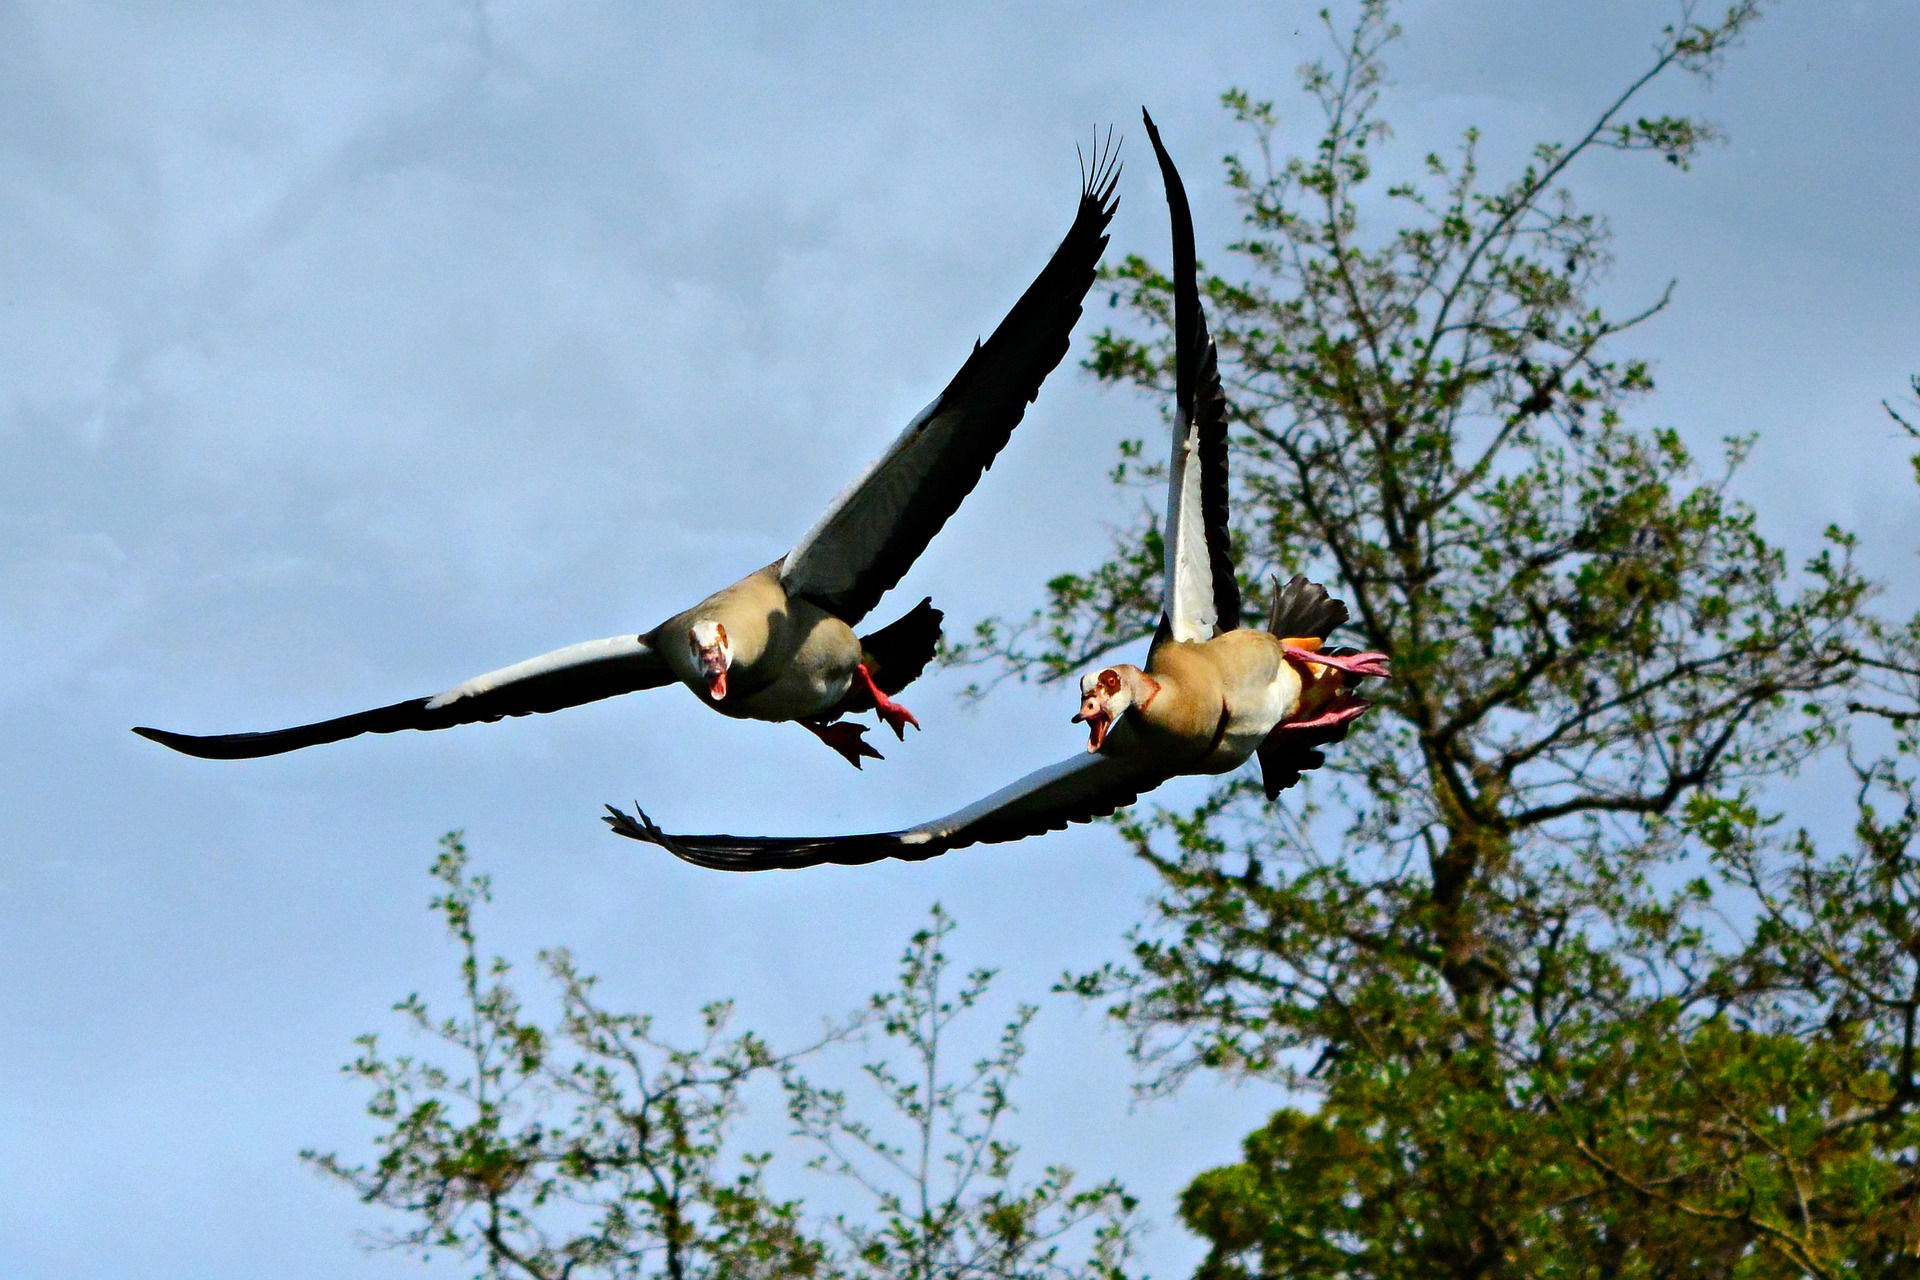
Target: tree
1556, 996
596, 1146
942, 1187
1551, 990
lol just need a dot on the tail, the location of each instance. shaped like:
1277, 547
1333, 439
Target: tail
897, 653
1303, 608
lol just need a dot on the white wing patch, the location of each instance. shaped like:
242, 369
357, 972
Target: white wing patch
1188, 596
1049, 797
585, 655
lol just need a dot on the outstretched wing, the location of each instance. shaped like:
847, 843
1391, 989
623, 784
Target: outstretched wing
876, 529
566, 677
1078, 790
1201, 596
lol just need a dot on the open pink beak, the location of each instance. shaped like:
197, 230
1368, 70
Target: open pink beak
1098, 721
713, 665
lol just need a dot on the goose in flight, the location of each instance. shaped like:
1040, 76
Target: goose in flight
1212, 693
779, 644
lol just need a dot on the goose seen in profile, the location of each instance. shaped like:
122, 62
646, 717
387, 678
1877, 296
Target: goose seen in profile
1212, 694
779, 644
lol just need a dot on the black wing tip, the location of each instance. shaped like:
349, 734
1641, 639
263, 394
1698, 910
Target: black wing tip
1170, 178
1168, 172
201, 747
763, 853
1198, 397
165, 737
411, 714
642, 829
1192, 341
1100, 179
1051, 305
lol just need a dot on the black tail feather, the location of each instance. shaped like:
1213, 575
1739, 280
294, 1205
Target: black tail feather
1303, 608
897, 653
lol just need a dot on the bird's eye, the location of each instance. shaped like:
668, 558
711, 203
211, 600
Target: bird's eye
1110, 681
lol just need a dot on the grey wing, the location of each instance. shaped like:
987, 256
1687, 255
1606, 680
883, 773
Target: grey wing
1201, 595
566, 677
1077, 790
875, 530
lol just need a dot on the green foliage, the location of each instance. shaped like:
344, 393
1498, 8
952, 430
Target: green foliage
1552, 987
590, 1147
942, 1188
595, 1146
1555, 994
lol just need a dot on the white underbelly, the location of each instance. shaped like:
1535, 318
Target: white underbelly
1251, 716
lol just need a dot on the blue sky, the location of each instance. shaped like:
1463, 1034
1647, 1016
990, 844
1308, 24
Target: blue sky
350, 350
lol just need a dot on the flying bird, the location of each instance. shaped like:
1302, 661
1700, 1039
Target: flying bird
779, 644
1212, 695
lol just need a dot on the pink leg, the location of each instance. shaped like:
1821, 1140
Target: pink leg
896, 716
1328, 719
1360, 664
845, 737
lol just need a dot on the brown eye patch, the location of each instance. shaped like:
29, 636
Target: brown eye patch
1110, 681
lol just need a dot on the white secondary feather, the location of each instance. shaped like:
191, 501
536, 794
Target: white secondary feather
612, 655
1081, 787
1188, 596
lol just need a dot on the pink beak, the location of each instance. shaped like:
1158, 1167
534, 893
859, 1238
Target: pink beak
1097, 721
713, 665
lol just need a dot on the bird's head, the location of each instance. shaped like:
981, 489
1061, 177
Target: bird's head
711, 654
1107, 695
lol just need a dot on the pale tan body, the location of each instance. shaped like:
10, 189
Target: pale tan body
792, 660
1206, 706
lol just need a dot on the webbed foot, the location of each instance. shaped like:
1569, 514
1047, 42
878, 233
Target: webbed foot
1359, 664
1328, 719
847, 738
891, 713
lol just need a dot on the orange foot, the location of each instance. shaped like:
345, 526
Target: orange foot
845, 737
892, 713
